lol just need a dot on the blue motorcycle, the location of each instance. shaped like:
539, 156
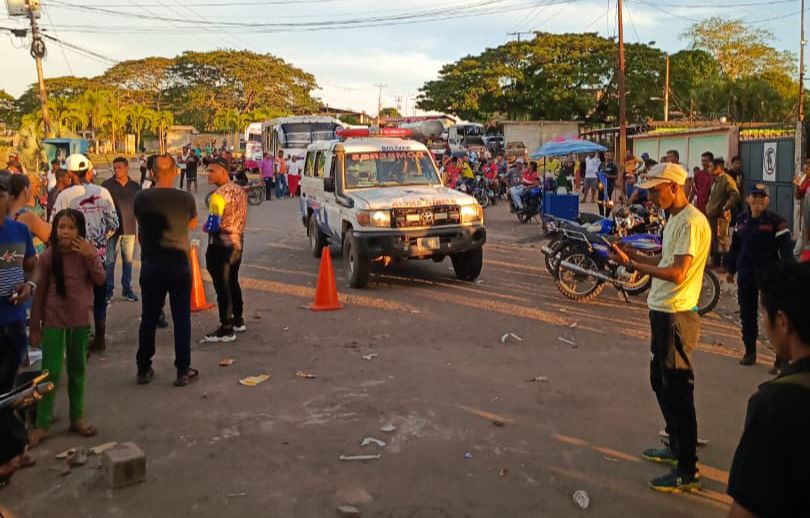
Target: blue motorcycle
532, 204
584, 271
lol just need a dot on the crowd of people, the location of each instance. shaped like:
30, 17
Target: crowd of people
57, 275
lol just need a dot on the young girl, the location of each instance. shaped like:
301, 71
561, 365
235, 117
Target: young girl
62, 313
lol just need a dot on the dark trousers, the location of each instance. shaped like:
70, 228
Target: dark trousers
12, 352
157, 279
182, 177
748, 298
223, 263
674, 336
268, 188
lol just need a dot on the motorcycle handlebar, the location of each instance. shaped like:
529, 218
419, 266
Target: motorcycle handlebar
25, 397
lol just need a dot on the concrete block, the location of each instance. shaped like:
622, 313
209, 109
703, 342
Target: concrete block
123, 465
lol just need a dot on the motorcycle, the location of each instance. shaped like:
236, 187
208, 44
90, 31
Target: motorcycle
255, 190
482, 191
13, 435
532, 204
584, 271
636, 219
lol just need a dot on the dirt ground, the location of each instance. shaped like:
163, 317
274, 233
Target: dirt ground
442, 376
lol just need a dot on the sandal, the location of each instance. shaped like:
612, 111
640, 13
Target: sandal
23, 460
189, 376
36, 436
84, 429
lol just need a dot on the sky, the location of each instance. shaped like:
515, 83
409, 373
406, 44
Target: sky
349, 63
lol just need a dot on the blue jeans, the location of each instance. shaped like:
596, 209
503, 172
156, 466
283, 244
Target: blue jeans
281, 185
126, 244
517, 195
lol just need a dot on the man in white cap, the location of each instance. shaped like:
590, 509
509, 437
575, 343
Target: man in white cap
674, 321
101, 218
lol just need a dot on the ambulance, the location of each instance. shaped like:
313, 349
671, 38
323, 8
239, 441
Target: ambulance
379, 197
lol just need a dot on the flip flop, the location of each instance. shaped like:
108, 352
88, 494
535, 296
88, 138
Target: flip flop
87, 430
184, 379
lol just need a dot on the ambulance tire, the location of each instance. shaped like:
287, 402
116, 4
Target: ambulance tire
355, 266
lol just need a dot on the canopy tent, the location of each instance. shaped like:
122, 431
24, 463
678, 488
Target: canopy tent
566, 146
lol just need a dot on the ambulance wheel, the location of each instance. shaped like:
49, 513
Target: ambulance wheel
356, 266
468, 265
317, 239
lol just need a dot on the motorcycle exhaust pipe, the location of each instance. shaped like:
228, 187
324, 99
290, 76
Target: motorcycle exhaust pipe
546, 250
598, 275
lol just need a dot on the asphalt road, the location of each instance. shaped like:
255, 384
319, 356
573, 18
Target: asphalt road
442, 376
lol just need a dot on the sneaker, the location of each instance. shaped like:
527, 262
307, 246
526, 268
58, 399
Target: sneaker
676, 482
131, 297
221, 335
239, 325
145, 378
660, 455
161, 323
184, 378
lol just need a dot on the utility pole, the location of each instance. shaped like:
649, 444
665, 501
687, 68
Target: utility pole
519, 34
801, 70
619, 159
380, 86
666, 93
38, 52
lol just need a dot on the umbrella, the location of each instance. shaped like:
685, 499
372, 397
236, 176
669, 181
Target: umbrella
566, 146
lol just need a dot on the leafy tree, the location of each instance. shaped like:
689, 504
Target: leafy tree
143, 81
68, 87
740, 50
162, 122
390, 112
114, 117
204, 83
8, 109
95, 105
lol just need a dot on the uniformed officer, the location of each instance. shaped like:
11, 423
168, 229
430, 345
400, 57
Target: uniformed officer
760, 237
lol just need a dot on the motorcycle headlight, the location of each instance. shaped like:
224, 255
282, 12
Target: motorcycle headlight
471, 213
374, 218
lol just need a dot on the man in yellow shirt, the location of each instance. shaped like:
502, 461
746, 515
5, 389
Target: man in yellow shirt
674, 323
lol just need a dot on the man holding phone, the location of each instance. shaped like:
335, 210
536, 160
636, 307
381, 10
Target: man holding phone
674, 321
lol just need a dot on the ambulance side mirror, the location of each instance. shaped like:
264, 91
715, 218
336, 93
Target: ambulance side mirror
329, 184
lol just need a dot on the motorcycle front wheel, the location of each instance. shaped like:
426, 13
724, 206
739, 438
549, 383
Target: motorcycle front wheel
576, 285
482, 198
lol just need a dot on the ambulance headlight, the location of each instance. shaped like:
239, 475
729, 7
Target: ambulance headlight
471, 213
374, 218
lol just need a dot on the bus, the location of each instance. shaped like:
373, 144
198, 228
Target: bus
293, 134
253, 142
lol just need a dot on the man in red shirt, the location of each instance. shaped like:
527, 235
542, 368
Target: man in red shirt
703, 182
451, 169
530, 180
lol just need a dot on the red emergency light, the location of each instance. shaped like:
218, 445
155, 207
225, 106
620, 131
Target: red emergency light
373, 132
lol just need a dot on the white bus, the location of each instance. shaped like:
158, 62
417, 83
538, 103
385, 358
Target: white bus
253, 141
293, 134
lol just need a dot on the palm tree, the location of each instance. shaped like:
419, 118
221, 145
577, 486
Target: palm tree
72, 117
140, 119
163, 121
30, 147
231, 120
95, 104
114, 116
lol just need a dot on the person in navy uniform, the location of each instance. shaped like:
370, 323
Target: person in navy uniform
760, 238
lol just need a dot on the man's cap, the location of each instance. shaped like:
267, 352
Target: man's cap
758, 189
5, 180
220, 161
645, 155
77, 162
664, 173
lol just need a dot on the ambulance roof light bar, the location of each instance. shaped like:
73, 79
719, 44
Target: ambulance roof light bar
373, 132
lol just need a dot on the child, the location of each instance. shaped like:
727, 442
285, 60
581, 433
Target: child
62, 313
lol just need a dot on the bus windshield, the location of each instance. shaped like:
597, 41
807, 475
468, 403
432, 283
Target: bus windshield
386, 169
298, 135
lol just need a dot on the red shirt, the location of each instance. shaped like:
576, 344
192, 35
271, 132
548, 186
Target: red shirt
490, 171
452, 175
703, 187
531, 178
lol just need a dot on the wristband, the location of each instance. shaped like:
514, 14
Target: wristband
32, 284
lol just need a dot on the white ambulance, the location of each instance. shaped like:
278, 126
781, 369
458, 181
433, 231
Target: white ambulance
381, 199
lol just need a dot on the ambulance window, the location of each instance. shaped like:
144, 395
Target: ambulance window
320, 164
332, 172
309, 165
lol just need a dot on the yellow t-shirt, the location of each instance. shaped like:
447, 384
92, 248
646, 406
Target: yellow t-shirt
686, 233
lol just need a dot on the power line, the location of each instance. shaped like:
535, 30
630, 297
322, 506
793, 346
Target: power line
590, 24
64, 54
81, 50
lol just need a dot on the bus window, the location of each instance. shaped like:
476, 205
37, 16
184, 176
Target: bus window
320, 164
309, 164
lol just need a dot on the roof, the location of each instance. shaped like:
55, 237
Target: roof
300, 119
506, 123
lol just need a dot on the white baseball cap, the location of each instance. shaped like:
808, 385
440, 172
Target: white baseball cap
664, 173
77, 162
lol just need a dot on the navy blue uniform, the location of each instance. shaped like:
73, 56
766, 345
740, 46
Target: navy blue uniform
756, 243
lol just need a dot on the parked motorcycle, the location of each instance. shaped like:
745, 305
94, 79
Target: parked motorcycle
584, 271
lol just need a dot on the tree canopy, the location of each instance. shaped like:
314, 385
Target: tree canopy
573, 77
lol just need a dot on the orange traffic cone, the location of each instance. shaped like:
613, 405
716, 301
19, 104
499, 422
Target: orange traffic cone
326, 297
198, 302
